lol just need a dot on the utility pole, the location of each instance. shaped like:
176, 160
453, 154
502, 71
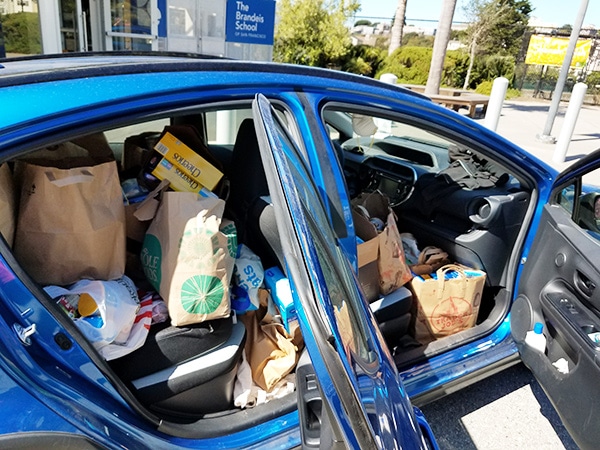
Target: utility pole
562, 77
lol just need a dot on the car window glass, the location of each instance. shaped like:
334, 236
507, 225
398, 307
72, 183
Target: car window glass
565, 198
581, 200
334, 266
116, 137
222, 125
372, 135
380, 153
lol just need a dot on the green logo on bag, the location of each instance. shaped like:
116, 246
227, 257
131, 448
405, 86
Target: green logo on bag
151, 257
202, 294
230, 231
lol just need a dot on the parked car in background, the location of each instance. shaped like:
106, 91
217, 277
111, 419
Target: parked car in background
299, 151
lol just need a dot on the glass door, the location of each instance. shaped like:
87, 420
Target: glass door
131, 27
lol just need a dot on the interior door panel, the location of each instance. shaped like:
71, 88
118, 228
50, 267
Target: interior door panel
560, 287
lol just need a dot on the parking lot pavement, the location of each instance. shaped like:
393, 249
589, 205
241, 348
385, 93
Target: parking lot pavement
506, 411
522, 120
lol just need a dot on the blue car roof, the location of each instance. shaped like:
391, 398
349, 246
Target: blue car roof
44, 68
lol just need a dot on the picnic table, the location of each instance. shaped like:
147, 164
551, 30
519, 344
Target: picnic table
471, 101
455, 98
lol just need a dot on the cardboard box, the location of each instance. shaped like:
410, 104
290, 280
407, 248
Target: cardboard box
281, 294
186, 170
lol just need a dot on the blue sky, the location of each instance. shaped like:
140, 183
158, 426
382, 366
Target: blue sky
553, 11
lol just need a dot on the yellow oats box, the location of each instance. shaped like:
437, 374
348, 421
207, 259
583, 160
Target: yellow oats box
186, 170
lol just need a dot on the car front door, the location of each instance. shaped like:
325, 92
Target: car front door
559, 288
355, 378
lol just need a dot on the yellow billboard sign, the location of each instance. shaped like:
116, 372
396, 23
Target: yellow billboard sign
551, 51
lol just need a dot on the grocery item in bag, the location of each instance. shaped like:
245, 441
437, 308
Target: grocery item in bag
271, 352
248, 276
188, 256
104, 311
375, 224
71, 220
448, 301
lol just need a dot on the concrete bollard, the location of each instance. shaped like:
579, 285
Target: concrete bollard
388, 78
494, 108
562, 145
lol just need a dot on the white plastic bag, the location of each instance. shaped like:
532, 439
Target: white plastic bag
248, 276
137, 335
117, 304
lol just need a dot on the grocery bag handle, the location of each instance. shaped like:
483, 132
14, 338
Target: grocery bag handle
75, 176
441, 276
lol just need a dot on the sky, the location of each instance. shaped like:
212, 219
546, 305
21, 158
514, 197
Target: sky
426, 13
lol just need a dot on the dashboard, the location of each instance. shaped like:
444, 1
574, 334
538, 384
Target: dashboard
475, 224
391, 165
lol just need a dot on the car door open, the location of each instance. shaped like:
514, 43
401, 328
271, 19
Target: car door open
559, 289
358, 381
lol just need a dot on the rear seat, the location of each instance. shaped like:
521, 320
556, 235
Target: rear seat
186, 370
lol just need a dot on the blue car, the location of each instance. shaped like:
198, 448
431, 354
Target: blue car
481, 257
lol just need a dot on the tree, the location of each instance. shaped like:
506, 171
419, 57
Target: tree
413, 39
398, 27
22, 33
313, 32
565, 30
496, 28
506, 36
484, 16
440, 45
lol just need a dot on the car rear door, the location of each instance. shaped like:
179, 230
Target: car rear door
559, 287
355, 383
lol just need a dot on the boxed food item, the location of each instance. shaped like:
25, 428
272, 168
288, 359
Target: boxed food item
185, 169
281, 294
448, 301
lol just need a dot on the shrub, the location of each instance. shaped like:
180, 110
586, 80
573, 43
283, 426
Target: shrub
22, 33
485, 88
363, 60
411, 66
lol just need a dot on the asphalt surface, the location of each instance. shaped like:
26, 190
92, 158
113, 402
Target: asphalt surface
510, 410
506, 411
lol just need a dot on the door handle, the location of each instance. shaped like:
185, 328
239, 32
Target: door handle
583, 284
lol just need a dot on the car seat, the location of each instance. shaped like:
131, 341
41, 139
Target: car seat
185, 371
249, 204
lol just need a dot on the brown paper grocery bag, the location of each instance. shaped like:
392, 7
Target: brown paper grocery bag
71, 223
393, 269
7, 204
447, 301
271, 352
188, 256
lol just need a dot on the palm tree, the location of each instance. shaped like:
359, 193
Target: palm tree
442, 36
398, 27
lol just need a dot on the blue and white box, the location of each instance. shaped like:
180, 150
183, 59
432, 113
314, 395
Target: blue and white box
281, 293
